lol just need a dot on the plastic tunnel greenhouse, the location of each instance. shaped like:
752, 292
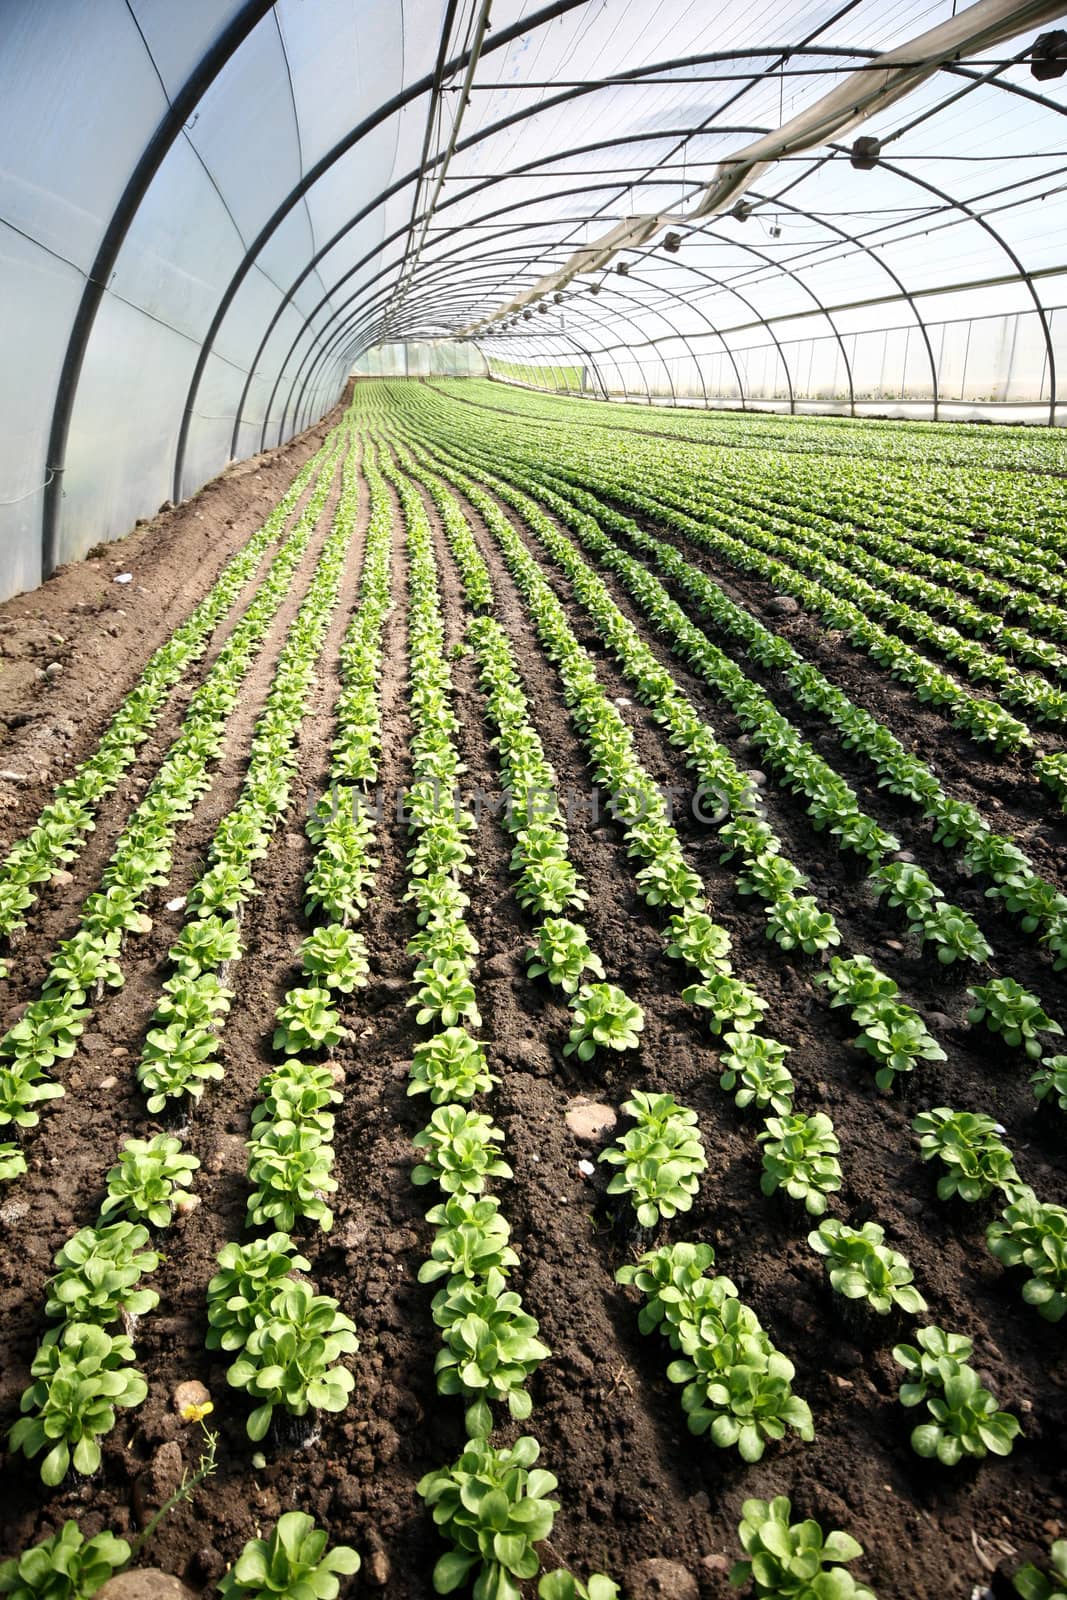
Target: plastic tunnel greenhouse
211, 213
533, 799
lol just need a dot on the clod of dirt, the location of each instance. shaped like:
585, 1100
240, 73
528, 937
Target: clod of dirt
159, 1479
589, 1120
783, 605
661, 1580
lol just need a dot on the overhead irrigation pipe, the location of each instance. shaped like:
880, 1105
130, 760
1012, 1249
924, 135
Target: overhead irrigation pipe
480, 30
862, 94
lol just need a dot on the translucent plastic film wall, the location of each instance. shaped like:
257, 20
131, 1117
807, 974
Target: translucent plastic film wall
157, 163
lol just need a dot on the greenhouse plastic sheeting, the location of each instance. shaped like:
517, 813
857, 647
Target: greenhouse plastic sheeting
245, 200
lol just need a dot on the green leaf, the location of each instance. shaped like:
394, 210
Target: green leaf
452, 1570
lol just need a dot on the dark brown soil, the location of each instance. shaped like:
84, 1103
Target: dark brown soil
634, 1485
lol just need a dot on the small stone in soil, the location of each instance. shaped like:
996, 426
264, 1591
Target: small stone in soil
589, 1119
189, 1393
146, 1583
661, 1580
109, 1082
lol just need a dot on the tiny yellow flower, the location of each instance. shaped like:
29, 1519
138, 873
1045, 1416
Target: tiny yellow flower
197, 1413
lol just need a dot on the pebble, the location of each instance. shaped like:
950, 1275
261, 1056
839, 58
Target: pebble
61, 877
716, 1563
13, 1211
587, 1169
939, 1020
54, 669
119, 1051
127, 577
109, 1082
589, 1119
756, 775
146, 1583
903, 855
376, 1569
659, 1579
893, 944
189, 1393
9, 775
783, 605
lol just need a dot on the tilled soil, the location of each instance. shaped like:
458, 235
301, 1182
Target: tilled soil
634, 1485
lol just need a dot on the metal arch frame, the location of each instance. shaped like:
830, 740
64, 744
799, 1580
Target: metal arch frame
388, 108
458, 290
904, 293
149, 162
481, 186
820, 307
635, 75
350, 139
378, 332
415, 177
996, 236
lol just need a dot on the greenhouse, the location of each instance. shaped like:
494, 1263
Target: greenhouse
533, 800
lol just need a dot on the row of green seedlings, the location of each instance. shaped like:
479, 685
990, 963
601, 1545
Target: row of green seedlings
900, 771
296, 1561
1009, 1011
799, 1152
662, 1157
88, 963
842, 600
83, 1372
62, 829
1039, 905
1009, 495
1030, 1233
289, 1339
794, 922
982, 718
900, 1038
493, 1504
548, 885
814, 543
179, 1056
946, 558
